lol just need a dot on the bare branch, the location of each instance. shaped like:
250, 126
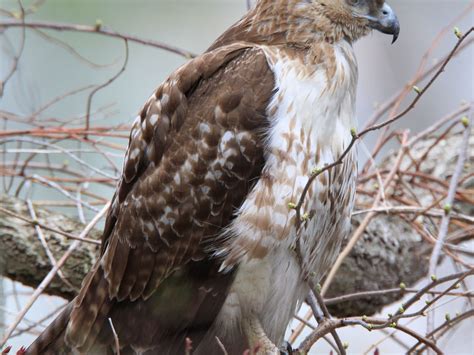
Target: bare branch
98, 29
101, 86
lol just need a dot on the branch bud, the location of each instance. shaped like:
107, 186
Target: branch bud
417, 89
354, 133
316, 171
457, 32
98, 24
447, 209
305, 217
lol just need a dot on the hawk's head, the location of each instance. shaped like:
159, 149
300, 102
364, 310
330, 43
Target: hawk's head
333, 19
306, 21
358, 17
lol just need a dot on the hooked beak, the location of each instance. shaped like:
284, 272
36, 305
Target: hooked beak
386, 22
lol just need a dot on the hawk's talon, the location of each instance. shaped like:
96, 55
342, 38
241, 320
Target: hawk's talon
286, 349
257, 338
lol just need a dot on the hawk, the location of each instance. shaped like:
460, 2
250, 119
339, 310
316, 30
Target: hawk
200, 241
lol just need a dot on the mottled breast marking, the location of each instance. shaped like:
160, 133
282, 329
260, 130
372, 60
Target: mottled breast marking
311, 115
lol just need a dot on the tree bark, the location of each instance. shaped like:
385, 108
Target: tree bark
389, 252
23, 258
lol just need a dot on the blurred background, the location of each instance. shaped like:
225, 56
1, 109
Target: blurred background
47, 70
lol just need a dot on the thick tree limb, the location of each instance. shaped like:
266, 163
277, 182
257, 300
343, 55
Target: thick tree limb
23, 258
389, 252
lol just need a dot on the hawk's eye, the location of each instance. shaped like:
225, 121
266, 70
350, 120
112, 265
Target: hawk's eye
354, 2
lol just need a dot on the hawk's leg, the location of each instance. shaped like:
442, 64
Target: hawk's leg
257, 338
286, 349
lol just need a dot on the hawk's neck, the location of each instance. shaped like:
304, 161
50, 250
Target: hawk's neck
316, 88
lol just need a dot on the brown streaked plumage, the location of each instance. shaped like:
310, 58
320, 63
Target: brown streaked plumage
199, 241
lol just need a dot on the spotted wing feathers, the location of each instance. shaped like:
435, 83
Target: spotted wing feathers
195, 151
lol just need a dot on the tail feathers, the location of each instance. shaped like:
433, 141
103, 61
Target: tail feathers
77, 328
94, 340
89, 312
52, 341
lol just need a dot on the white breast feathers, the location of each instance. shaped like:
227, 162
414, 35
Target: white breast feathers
311, 117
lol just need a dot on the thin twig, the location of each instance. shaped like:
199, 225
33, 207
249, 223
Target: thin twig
70, 49
63, 191
221, 346
443, 327
443, 229
315, 296
44, 243
414, 209
17, 57
333, 324
377, 293
116, 338
99, 29
54, 230
65, 151
363, 225
107, 83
